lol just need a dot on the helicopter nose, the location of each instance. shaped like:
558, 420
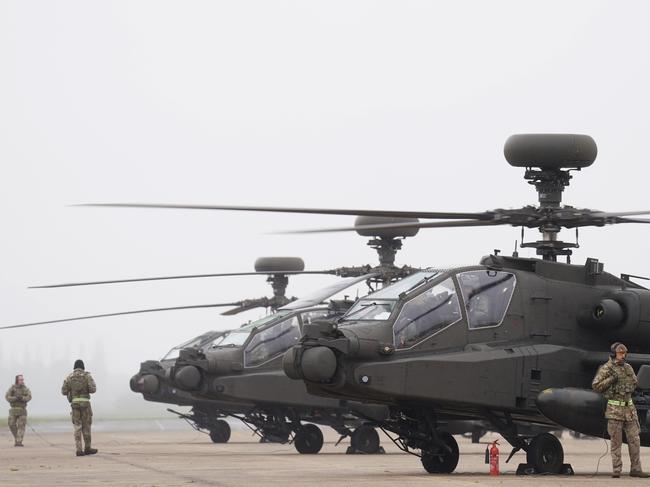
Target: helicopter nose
318, 364
149, 384
133, 383
146, 384
188, 378
290, 364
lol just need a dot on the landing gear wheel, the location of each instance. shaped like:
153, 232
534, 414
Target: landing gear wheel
545, 453
220, 432
439, 459
365, 439
309, 439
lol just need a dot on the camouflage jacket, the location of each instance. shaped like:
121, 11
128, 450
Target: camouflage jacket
616, 382
78, 386
18, 397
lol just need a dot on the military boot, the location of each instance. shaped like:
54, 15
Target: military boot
18, 443
90, 451
80, 453
640, 474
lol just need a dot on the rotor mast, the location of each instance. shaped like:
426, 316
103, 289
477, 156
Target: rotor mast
279, 283
386, 242
549, 184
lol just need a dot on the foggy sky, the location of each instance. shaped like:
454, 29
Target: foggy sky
389, 105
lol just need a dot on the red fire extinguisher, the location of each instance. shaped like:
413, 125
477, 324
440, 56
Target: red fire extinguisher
494, 458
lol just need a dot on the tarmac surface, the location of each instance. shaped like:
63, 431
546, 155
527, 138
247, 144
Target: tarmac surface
169, 453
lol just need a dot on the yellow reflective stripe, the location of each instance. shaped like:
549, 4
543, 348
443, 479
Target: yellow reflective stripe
80, 399
614, 402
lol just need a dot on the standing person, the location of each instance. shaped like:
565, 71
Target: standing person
78, 386
18, 396
616, 381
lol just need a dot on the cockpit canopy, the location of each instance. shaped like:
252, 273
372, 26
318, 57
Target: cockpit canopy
279, 337
379, 305
428, 312
430, 301
200, 341
237, 338
487, 295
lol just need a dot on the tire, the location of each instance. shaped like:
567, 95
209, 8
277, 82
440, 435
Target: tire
439, 459
365, 439
220, 432
309, 439
545, 453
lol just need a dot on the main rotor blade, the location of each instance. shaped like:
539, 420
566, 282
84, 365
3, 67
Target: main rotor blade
105, 315
244, 307
633, 220
163, 278
318, 211
392, 226
620, 213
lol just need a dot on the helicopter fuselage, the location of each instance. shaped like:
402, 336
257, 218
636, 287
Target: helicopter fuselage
540, 325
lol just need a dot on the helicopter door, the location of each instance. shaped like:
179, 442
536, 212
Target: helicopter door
489, 308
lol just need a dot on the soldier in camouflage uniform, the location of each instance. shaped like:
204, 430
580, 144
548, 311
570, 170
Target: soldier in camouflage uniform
616, 381
18, 396
78, 387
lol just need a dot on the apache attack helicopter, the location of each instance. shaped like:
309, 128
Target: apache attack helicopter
505, 341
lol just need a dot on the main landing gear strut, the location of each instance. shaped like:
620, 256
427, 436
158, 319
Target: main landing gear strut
544, 452
418, 431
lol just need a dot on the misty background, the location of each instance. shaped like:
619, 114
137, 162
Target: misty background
364, 104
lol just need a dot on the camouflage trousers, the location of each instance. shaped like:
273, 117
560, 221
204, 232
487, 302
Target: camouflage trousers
615, 428
16, 422
82, 419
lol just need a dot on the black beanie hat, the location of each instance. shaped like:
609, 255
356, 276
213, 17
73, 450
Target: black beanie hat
79, 364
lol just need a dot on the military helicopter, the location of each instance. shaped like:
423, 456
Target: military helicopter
486, 341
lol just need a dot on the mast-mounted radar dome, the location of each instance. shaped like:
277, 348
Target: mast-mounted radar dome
550, 151
279, 264
363, 221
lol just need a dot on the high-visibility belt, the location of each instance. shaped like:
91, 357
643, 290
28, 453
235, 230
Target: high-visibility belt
80, 399
614, 402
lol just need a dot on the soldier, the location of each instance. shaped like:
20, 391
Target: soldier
78, 386
616, 381
18, 396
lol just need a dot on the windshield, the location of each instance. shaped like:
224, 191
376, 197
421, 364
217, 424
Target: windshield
214, 342
238, 337
425, 314
380, 304
195, 342
272, 341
